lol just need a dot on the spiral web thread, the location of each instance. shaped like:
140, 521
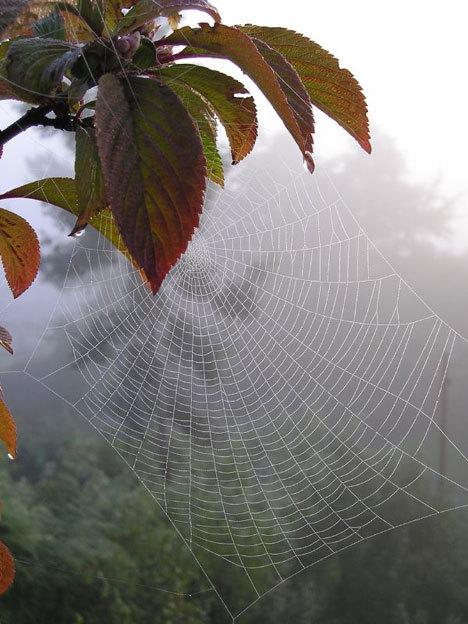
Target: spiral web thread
278, 398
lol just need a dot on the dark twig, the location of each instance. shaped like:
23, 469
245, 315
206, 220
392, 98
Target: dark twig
38, 117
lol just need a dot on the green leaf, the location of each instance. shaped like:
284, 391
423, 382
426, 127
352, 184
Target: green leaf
228, 98
36, 66
145, 56
154, 169
332, 89
7, 91
221, 41
204, 117
92, 13
76, 91
62, 192
4, 47
52, 26
19, 250
147, 10
88, 178
96, 59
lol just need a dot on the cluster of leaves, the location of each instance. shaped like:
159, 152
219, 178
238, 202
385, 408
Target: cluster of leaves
146, 120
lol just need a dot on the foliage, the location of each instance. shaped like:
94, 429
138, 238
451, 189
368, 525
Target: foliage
146, 144
91, 546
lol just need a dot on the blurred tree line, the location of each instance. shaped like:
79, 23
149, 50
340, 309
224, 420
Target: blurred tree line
92, 548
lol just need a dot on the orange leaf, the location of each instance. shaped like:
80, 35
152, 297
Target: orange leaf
19, 250
7, 428
230, 43
6, 340
331, 88
7, 569
237, 114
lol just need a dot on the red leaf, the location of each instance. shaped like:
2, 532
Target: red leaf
19, 250
296, 95
7, 569
154, 170
7, 428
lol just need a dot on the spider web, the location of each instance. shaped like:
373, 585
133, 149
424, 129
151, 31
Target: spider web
279, 396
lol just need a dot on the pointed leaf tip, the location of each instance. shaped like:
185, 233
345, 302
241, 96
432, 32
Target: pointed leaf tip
6, 341
226, 97
309, 162
272, 73
331, 88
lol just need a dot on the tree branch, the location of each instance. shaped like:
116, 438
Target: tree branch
38, 117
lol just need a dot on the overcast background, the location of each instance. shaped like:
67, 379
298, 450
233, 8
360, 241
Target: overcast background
410, 195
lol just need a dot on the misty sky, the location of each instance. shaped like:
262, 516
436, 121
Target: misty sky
410, 58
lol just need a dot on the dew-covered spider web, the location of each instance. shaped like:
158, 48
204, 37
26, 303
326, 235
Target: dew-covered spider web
279, 397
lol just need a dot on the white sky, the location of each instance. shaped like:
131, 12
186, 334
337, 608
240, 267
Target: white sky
411, 57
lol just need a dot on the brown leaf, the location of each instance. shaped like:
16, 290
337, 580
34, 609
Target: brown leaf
9, 11
331, 88
227, 42
17, 16
7, 428
19, 250
7, 569
154, 169
6, 340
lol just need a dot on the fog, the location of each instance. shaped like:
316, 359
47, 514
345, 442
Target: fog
308, 325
